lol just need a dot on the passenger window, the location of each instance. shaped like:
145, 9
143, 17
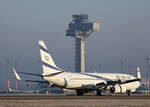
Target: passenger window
117, 76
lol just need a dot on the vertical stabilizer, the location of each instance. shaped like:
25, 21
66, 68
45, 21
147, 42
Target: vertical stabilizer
45, 55
49, 67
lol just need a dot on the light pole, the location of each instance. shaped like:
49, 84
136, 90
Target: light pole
8, 62
147, 63
122, 64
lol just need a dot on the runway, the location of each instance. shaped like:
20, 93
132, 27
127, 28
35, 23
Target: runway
43, 96
42, 100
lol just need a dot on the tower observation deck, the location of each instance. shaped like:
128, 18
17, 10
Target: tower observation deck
80, 28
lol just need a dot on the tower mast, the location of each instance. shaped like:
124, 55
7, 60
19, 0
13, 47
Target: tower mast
80, 28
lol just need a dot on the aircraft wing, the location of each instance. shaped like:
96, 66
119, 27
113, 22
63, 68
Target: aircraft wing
104, 86
126, 81
108, 83
122, 82
115, 82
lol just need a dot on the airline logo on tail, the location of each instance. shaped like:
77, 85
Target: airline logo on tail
46, 57
49, 67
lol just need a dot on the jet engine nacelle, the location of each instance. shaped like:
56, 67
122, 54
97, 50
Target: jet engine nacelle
118, 89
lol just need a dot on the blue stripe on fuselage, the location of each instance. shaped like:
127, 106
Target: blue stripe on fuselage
50, 66
99, 77
45, 50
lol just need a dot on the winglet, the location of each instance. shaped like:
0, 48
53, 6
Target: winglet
16, 74
138, 73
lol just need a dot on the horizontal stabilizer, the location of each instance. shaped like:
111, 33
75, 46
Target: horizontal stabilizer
16, 74
30, 74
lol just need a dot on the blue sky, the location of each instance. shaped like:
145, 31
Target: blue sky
124, 34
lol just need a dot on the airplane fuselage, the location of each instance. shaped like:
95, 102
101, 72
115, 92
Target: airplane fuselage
79, 80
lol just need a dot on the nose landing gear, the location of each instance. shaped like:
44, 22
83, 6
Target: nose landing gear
129, 92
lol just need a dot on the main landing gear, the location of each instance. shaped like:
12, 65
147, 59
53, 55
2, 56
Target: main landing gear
99, 93
79, 92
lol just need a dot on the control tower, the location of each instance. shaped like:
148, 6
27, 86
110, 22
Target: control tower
80, 28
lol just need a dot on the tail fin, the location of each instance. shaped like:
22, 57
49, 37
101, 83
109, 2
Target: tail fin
49, 67
138, 73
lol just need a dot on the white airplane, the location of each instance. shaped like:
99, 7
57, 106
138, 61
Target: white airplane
85, 82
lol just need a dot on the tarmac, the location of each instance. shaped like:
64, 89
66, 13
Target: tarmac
42, 100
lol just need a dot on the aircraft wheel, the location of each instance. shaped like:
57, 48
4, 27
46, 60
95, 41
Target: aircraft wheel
129, 93
99, 93
79, 92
